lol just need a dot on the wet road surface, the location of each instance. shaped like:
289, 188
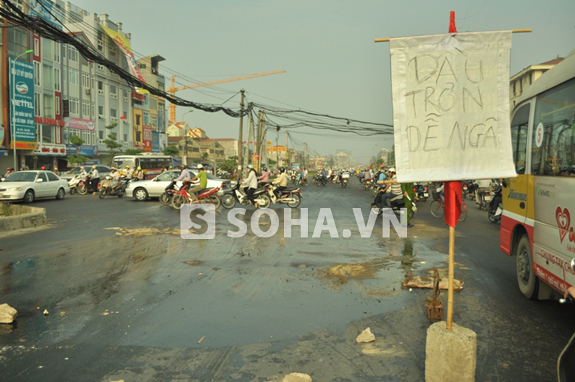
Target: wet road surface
129, 299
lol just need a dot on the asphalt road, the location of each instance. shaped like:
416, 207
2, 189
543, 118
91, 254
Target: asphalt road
128, 299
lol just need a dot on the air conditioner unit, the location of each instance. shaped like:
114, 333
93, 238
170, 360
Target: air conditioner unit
114, 119
101, 141
125, 120
88, 91
101, 116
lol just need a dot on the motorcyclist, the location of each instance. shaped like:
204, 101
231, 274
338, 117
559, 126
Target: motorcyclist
264, 177
9, 171
305, 175
202, 177
282, 181
252, 183
139, 173
114, 177
129, 172
482, 185
83, 174
395, 189
94, 179
56, 171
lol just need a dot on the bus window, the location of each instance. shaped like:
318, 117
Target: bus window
553, 136
121, 163
519, 138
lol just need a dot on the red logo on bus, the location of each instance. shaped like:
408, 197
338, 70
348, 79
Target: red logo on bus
563, 221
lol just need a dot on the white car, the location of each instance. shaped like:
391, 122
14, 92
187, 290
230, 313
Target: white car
153, 188
31, 185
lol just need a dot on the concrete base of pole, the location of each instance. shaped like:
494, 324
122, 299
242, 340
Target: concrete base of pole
450, 355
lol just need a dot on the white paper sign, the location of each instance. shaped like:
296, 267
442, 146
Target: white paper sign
451, 106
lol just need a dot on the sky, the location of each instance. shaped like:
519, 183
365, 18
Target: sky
327, 49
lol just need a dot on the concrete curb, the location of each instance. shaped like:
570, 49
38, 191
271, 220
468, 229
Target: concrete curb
32, 217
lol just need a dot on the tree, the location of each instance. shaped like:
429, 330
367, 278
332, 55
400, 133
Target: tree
205, 156
229, 165
171, 151
114, 147
77, 158
133, 151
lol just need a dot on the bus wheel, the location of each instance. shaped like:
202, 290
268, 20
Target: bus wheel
526, 278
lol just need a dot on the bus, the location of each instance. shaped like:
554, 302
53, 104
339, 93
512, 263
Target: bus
151, 164
536, 225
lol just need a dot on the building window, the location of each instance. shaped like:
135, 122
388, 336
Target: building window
100, 88
57, 79
57, 105
37, 74
47, 134
37, 105
56, 52
146, 117
93, 109
125, 96
138, 120
101, 112
113, 92
101, 67
85, 80
47, 74
48, 103
72, 53
154, 121
113, 115
125, 137
47, 49
36, 47
85, 109
100, 134
73, 76
75, 107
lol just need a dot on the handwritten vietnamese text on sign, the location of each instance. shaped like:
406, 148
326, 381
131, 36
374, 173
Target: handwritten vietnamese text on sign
451, 106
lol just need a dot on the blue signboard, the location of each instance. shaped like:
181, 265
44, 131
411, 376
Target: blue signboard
22, 104
155, 142
86, 150
44, 10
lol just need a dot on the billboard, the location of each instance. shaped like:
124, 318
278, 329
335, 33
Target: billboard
155, 142
148, 138
22, 105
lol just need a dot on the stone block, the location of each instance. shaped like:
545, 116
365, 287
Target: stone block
450, 356
7, 314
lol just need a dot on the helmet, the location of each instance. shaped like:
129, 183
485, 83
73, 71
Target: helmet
55, 168
113, 168
127, 166
82, 167
264, 168
43, 168
93, 167
392, 169
249, 166
201, 167
381, 165
9, 168
139, 168
282, 169
171, 167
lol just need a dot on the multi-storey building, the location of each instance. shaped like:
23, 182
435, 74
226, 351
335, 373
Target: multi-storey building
154, 108
522, 80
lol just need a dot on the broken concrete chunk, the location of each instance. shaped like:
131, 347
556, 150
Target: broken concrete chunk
365, 336
7, 314
297, 377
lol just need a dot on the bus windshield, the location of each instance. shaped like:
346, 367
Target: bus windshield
121, 162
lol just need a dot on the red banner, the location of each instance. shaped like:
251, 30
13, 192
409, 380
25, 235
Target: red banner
453, 197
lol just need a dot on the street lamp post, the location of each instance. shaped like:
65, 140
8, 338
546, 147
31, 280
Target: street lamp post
185, 158
14, 108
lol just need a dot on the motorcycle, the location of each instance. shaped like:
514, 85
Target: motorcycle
344, 180
119, 190
169, 191
319, 180
396, 205
422, 193
238, 195
495, 207
209, 195
85, 187
484, 199
566, 360
73, 184
290, 196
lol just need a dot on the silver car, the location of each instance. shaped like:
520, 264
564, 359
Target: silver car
31, 185
153, 188
102, 170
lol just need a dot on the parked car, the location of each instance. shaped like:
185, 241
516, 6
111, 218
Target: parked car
153, 188
103, 170
31, 185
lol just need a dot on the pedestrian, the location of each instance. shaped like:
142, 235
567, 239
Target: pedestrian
56, 171
94, 179
408, 196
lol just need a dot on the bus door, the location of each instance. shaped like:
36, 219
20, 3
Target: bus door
553, 164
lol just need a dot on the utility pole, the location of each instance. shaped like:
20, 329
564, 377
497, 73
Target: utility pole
258, 140
263, 147
287, 150
247, 153
240, 141
277, 152
304, 155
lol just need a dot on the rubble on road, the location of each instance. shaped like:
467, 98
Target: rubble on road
412, 281
365, 336
297, 377
7, 314
148, 231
